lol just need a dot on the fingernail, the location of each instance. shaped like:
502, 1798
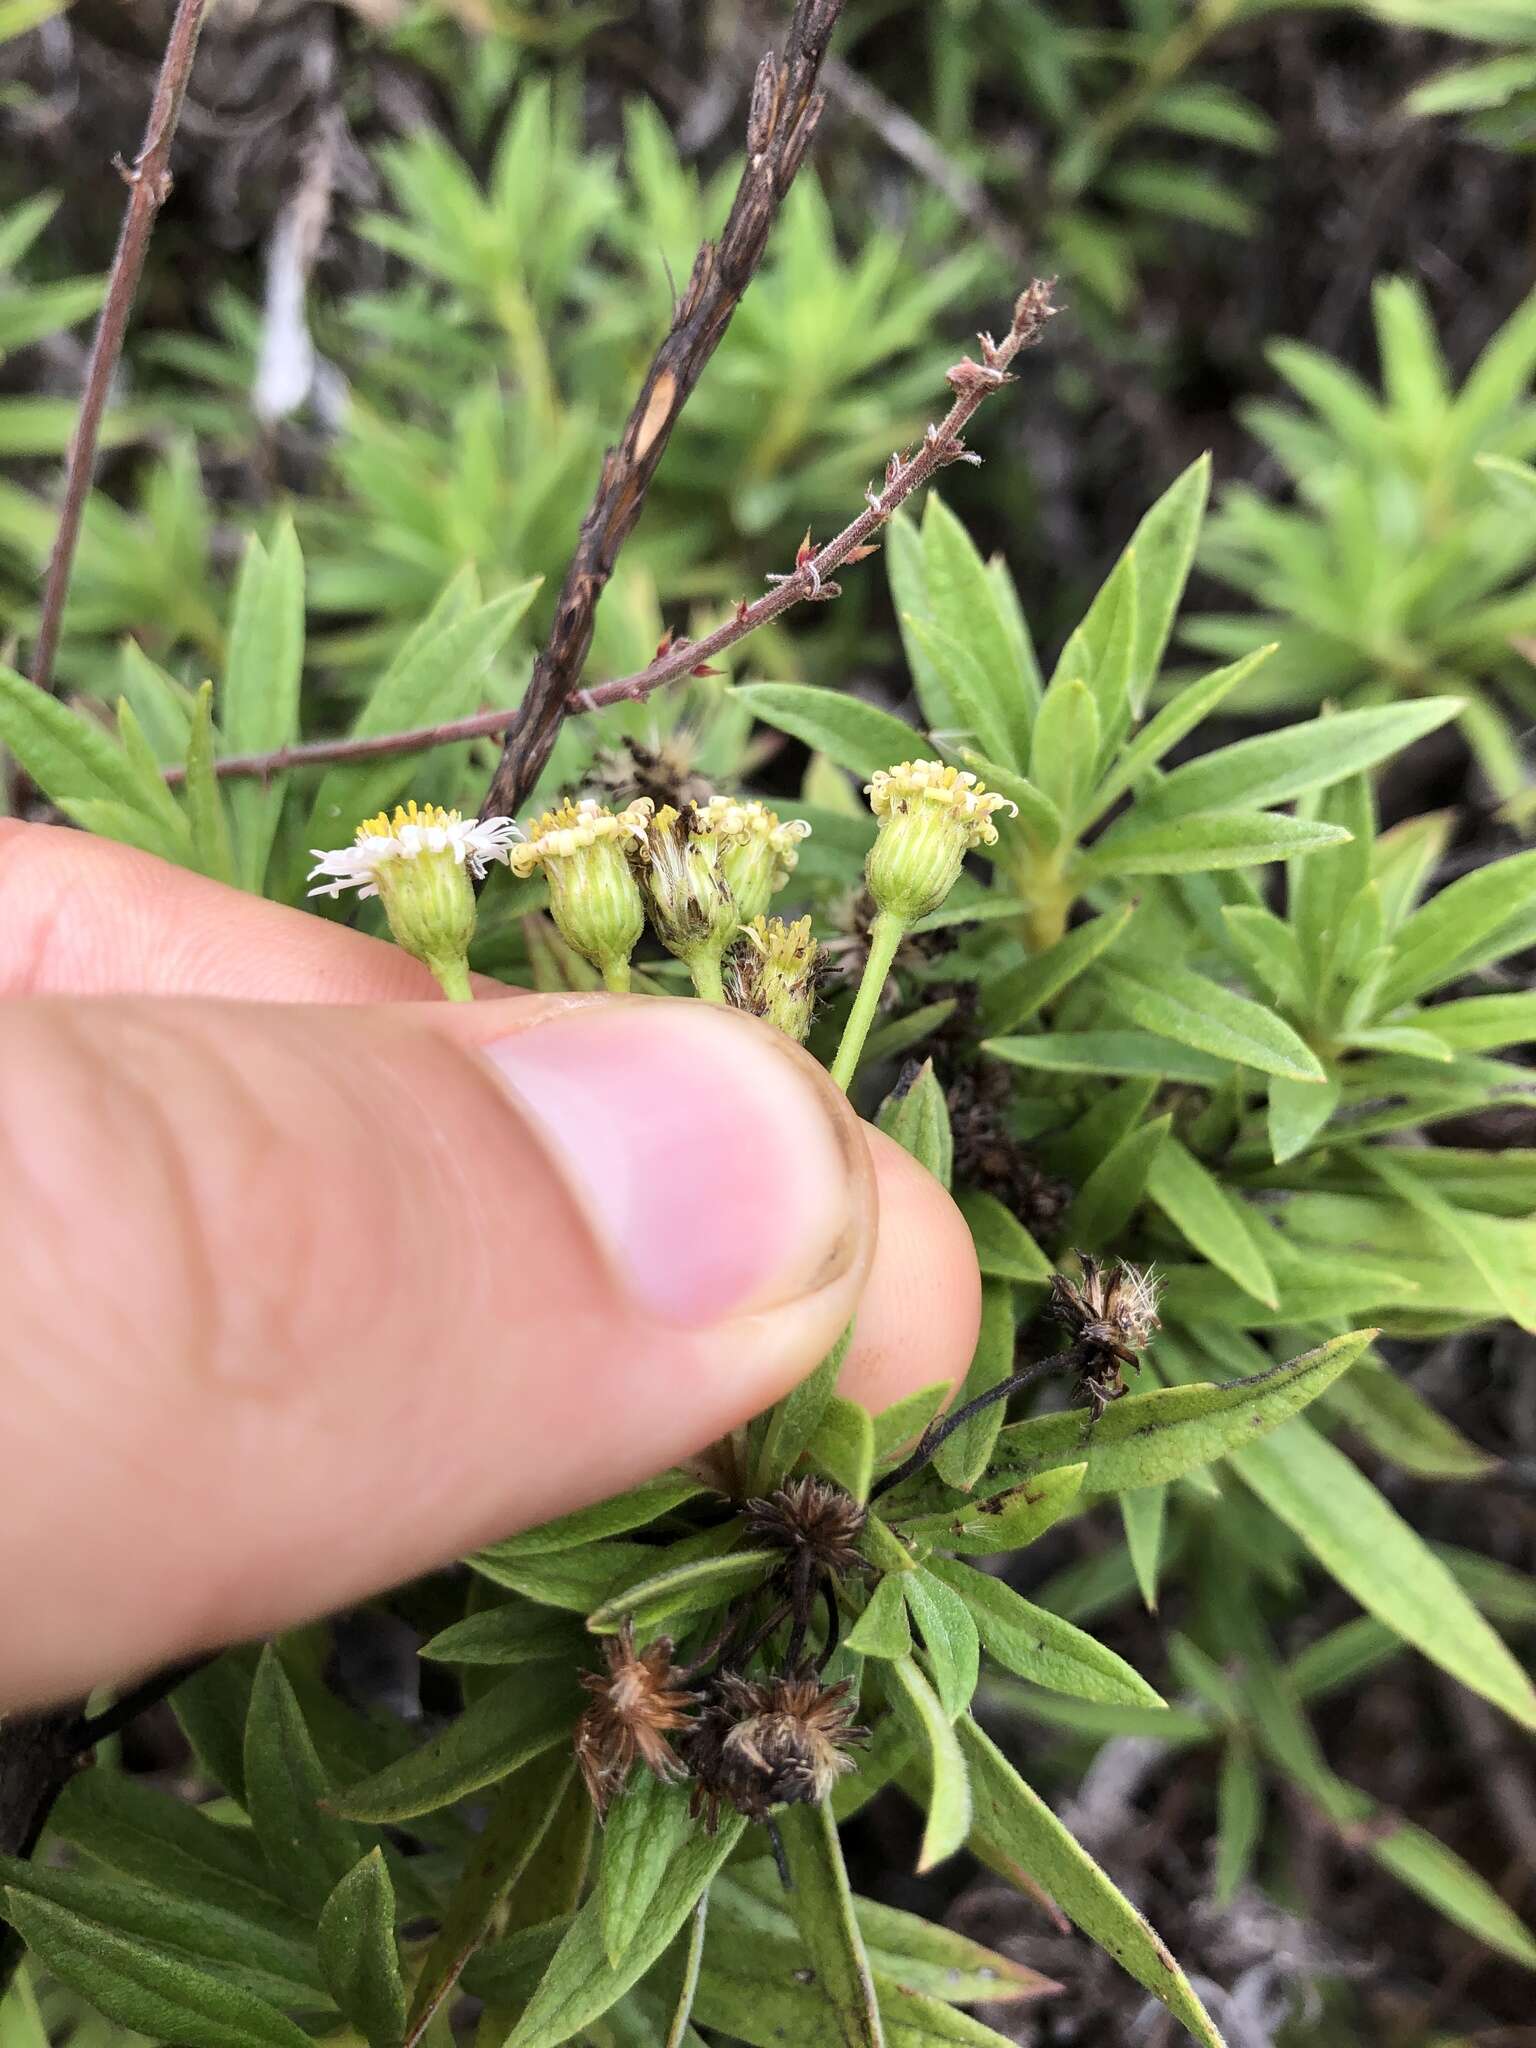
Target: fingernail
713, 1166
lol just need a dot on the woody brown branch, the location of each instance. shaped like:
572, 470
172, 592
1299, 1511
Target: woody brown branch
810, 580
784, 110
148, 179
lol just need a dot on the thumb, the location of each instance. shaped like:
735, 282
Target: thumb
305, 1300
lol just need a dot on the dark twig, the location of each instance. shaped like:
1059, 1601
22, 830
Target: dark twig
40, 1753
1070, 1360
809, 581
784, 111
148, 179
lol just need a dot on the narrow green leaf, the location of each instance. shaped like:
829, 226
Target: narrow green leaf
1015, 1816
1354, 1531
918, 1119
1111, 1194
794, 1420
645, 1831
211, 847
358, 1952
1006, 1519
1239, 1819
921, 1712
1132, 1053
1276, 766
1004, 1248
517, 1633
1035, 1644
1065, 747
1453, 928
633, 1510
1515, 1291
1023, 992
822, 1905
1165, 543
1196, 842
855, 735
898, 1427
882, 1630
683, 1589
962, 602
1212, 1218
145, 1988
1144, 1514
974, 711
1196, 1011
580, 1984
950, 1640
259, 700
309, 1848
1298, 1111
76, 765
844, 1446
504, 1728
1178, 718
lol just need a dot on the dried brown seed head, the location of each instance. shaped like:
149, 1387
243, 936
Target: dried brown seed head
762, 1743
638, 1701
811, 1518
1112, 1313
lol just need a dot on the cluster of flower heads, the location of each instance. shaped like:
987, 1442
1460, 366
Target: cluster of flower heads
748, 1741
703, 872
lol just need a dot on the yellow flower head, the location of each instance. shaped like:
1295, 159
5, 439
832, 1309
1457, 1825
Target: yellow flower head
758, 848
931, 816
583, 851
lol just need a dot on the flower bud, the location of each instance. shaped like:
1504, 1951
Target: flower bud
691, 905
931, 816
418, 863
759, 849
772, 974
593, 896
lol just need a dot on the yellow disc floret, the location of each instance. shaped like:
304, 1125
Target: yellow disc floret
583, 851
931, 816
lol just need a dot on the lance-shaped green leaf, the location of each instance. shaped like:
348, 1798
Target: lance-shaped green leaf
921, 1712
1351, 1528
1131, 1053
1212, 1218
1458, 927
1200, 841
1147, 1439
1065, 746
1111, 1194
844, 1446
1035, 1644
259, 697
1004, 1248
517, 1633
951, 1643
855, 735
1178, 717
883, 1630
1276, 766
683, 1589
822, 1904
633, 1510
1512, 1289
144, 1988
794, 1420
973, 708
644, 1832
581, 1984
918, 1119
1144, 1517
768, 2010
898, 1427
78, 768
1016, 1817
286, 1791
1006, 1519
1020, 994
210, 844
359, 1956
513, 1722
1165, 543
1196, 1011
280, 1967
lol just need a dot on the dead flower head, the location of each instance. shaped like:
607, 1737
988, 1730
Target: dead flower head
762, 1743
1112, 1313
638, 1701
811, 1518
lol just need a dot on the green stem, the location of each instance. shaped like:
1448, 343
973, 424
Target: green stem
705, 969
616, 977
885, 935
453, 979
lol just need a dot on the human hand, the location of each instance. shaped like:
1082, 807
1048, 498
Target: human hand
313, 1284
